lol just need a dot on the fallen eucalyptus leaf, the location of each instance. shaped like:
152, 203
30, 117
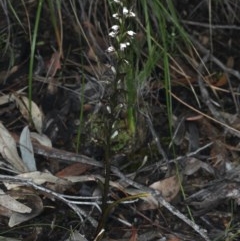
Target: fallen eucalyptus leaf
26, 149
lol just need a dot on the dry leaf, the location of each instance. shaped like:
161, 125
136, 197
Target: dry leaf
12, 204
4, 74
36, 114
5, 212
4, 99
75, 169
134, 236
26, 149
35, 202
41, 139
171, 237
8, 150
54, 64
168, 188
215, 81
193, 165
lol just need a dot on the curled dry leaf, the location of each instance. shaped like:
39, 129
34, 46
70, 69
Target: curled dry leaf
193, 165
36, 114
41, 139
169, 189
8, 150
33, 201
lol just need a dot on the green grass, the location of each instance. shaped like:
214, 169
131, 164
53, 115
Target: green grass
32, 55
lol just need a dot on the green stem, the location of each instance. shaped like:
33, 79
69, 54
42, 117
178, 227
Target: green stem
33, 48
107, 170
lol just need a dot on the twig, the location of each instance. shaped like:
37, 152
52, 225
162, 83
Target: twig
156, 138
233, 130
64, 155
51, 152
192, 153
160, 163
206, 52
206, 97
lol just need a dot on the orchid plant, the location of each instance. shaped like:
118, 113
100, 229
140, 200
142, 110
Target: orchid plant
121, 39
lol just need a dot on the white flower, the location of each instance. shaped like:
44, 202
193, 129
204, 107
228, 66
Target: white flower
131, 14
110, 49
113, 34
124, 45
115, 133
128, 13
115, 27
109, 109
115, 15
130, 33
125, 11
113, 70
